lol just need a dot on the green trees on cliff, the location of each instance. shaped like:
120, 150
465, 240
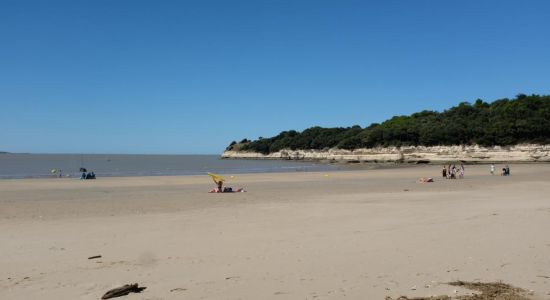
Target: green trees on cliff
525, 119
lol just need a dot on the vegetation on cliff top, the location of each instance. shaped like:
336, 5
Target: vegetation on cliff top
525, 119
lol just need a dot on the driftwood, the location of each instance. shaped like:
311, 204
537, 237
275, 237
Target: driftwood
123, 291
96, 256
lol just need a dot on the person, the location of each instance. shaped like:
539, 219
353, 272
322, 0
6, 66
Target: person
453, 172
492, 169
60, 173
506, 171
461, 174
220, 189
83, 175
444, 172
425, 179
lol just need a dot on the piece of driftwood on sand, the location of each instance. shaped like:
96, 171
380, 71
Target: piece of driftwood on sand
123, 291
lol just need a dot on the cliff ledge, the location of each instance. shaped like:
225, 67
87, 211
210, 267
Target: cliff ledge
411, 154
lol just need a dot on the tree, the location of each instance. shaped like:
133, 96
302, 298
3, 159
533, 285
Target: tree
525, 119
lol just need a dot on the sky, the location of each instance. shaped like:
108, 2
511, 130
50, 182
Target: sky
189, 77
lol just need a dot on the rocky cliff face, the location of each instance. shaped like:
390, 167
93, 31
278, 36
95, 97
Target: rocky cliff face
411, 154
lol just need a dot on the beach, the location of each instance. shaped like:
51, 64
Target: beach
361, 234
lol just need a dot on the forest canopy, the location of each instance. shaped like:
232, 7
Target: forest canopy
525, 119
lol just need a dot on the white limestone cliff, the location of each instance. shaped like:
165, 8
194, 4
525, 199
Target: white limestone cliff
411, 154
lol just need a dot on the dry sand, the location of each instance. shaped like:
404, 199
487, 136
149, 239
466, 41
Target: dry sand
354, 235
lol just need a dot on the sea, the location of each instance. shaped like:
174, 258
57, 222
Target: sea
107, 165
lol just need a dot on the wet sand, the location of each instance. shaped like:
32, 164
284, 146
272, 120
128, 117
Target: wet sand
346, 234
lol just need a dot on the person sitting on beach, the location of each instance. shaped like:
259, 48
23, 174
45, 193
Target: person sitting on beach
425, 179
90, 175
83, 176
228, 190
221, 189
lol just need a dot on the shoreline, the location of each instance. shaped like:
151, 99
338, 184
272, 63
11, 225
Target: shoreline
48, 166
340, 166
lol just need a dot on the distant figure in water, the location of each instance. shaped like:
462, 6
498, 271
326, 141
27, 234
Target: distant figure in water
444, 172
492, 169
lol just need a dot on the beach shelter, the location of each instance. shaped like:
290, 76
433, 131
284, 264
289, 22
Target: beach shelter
216, 178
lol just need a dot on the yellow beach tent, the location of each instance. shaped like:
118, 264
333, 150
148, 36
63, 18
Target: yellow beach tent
216, 178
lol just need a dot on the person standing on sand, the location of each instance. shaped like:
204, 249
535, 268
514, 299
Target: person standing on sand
444, 172
453, 172
506, 170
492, 169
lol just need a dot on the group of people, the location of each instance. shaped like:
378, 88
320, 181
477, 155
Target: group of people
85, 175
221, 189
453, 172
505, 170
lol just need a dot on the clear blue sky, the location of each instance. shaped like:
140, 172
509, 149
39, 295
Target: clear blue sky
191, 76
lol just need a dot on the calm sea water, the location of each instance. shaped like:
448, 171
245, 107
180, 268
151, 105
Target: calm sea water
40, 165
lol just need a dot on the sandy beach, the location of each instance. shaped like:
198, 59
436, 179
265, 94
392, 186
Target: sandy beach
345, 234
